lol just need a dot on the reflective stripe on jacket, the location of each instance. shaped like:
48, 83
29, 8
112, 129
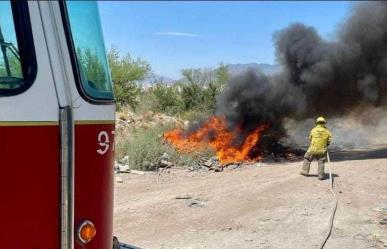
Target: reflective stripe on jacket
320, 137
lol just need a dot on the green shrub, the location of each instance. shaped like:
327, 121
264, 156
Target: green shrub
162, 99
192, 96
126, 74
166, 99
200, 87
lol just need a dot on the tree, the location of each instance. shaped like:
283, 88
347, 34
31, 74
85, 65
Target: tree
200, 87
126, 76
222, 76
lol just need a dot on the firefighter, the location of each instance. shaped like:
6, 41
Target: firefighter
320, 137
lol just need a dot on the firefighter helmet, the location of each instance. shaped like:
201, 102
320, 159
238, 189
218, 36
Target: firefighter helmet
321, 120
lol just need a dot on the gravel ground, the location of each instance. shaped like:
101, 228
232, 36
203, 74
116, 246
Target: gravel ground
270, 206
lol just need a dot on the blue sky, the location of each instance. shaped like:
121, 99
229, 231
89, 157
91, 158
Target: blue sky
176, 35
6, 21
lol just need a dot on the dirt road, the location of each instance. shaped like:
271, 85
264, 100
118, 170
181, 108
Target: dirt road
265, 207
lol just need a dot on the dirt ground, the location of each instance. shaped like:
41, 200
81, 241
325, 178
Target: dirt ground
266, 206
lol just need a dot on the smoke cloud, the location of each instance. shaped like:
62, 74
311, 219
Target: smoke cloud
320, 78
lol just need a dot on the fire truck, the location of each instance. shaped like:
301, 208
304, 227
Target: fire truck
57, 117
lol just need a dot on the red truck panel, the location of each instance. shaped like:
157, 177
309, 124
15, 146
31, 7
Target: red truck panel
94, 182
30, 187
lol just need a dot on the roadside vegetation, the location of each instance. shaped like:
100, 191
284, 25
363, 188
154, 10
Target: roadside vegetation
148, 106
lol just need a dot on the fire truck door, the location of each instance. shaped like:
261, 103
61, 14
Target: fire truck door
85, 94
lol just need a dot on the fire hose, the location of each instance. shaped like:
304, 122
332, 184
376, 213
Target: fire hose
328, 233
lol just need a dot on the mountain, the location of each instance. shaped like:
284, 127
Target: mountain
267, 69
234, 69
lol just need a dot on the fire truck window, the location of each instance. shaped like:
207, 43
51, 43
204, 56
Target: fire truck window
90, 50
11, 75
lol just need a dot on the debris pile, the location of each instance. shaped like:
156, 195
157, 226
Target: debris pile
163, 163
210, 164
122, 166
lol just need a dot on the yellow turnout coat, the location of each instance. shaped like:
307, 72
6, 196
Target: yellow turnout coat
320, 137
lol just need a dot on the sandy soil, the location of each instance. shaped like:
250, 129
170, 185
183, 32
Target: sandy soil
270, 206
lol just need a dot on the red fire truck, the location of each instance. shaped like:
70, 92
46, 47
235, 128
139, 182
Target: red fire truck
57, 117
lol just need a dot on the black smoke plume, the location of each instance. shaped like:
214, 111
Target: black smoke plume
319, 77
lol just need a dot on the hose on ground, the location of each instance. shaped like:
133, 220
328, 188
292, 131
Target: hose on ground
329, 231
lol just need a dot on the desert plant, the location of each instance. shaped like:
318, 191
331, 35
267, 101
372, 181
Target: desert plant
126, 76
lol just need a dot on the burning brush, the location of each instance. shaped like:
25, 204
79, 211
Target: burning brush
231, 146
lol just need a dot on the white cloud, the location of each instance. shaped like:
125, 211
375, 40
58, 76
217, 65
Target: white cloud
177, 34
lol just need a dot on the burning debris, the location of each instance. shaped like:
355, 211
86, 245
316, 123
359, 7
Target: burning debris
319, 78
215, 134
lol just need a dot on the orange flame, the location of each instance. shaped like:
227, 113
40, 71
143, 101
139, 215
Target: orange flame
214, 134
